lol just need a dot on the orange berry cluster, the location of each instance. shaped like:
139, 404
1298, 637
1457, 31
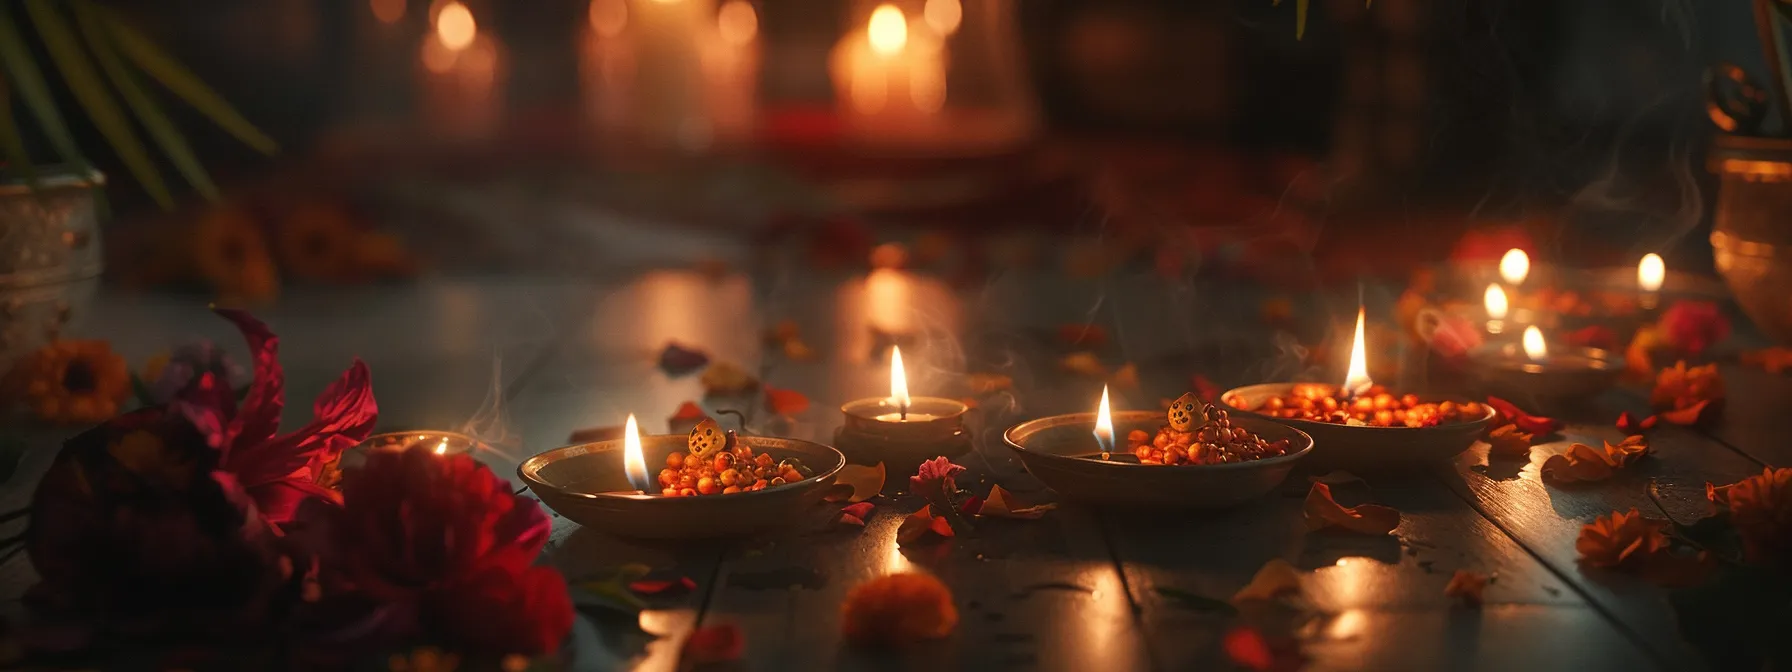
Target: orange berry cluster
1217, 441
735, 469
1376, 407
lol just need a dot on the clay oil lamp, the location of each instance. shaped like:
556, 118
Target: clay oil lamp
721, 484
1194, 457
1361, 425
902, 431
1535, 369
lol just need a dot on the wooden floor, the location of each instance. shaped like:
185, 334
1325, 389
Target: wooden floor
1077, 590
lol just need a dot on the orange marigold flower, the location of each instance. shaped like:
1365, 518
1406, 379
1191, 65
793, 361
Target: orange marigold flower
898, 610
1682, 386
73, 382
1619, 539
1761, 510
317, 242
230, 254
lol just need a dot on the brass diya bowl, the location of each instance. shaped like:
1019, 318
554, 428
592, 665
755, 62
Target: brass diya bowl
446, 443
1567, 373
586, 484
1359, 447
1061, 452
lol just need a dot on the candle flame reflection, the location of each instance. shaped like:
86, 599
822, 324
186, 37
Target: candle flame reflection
1515, 266
1495, 300
888, 30
1650, 272
442, 448
1533, 344
1356, 378
1104, 424
898, 380
633, 463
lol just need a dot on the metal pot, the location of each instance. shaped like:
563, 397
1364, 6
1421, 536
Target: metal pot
50, 257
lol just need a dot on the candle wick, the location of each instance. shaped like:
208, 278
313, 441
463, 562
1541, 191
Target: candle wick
903, 411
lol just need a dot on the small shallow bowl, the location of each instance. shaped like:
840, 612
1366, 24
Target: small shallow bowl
1364, 448
1051, 446
1571, 373
586, 483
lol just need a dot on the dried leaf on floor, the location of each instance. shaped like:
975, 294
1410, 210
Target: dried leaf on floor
1467, 586
1275, 579
1000, 504
865, 482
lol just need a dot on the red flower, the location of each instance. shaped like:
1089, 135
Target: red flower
1692, 326
446, 534
934, 478
498, 612
134, 534
279, 472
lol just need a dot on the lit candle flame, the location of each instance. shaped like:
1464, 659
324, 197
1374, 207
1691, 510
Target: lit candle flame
1650, 272
1356, 378
633, 463
888, 30
1533, 344
442, 448
943, 15
1104, 424
455, 26
1514, 266
1495, 300
737, 22
898, 381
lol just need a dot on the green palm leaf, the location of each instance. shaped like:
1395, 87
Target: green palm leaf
29, 83
79, 73
163, 68
12, 142
141, 102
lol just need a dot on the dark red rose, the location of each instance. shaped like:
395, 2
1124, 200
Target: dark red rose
498, 612
133, 533
449, 544
414, 521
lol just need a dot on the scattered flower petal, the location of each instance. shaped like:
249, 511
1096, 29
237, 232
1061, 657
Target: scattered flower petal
1631, 543
1275, 579
1083, 364
971, 505
1324, 512
678, 360
850, 519
1775, 360
1247, 648
686, 418
934, 478
1688, 416
1760, 508
1639, 361
1508, 441
798, 351
998, 505
662, 586
1204, 388
1467, 586
898, 610
780, 401
1091, 336
861, 510
1510, 413
917, 525
864, 481
723, 379
712, 645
